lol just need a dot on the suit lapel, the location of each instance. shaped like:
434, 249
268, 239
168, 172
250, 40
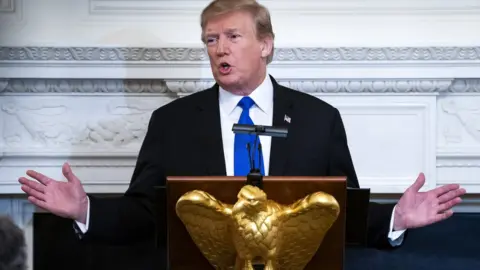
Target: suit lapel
210, 133
282, 110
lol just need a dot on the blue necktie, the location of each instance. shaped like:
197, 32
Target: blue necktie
241, 156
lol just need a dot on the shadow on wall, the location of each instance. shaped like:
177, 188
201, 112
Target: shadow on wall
13, 249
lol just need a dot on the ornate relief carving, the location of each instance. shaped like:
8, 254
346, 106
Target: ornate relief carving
465, 86
199, 54
467, 112
370, 86
101, 54
188, 86
82, 86
378, 54
55, 125
191, 86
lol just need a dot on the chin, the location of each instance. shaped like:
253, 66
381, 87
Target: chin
228, 82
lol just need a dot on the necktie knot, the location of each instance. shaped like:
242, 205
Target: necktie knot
246, 103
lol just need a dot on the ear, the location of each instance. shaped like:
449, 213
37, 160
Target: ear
266, 46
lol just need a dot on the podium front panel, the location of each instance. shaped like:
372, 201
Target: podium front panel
184, 254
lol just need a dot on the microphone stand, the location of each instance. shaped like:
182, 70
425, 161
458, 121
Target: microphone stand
255, 177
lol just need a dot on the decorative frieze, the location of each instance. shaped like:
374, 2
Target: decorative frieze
133, 54
160, 86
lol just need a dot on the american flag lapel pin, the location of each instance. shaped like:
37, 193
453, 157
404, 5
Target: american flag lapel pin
287, 119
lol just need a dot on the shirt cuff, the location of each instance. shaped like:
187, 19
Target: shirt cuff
395, 237
84, 227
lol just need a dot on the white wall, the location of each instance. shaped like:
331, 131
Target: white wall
404, 74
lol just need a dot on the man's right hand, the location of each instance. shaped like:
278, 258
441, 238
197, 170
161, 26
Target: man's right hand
64, 199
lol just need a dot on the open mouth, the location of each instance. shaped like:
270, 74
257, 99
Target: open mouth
225, 67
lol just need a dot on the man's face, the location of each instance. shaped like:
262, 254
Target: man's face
237, 57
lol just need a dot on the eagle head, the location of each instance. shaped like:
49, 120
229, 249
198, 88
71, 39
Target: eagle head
250, 198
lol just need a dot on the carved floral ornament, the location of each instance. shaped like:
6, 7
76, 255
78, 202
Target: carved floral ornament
199, 54
158, 86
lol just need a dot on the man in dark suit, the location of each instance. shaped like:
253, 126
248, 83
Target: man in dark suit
192, 136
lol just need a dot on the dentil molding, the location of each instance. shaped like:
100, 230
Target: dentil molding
160, 86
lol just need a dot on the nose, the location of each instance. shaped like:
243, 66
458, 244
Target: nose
221, 47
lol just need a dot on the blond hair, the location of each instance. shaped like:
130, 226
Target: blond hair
260, 14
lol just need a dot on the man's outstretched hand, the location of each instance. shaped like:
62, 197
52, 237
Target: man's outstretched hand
417, 209
64, 199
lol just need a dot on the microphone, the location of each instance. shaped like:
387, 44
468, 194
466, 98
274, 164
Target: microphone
255, 177
260, 130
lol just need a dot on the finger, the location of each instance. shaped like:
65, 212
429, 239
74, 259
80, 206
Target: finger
443, 216
451, 195
444, 189
32, 192
418, 184
448, 205
39, 203
32, 184
67, 172
40, 177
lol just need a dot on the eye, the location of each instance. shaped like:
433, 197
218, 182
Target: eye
211, 40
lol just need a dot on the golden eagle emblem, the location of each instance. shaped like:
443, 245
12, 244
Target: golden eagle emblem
256, 230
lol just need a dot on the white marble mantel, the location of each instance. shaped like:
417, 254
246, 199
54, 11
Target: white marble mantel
80, 86
397, 125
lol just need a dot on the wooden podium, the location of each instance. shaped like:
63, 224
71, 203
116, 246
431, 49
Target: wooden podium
182, 253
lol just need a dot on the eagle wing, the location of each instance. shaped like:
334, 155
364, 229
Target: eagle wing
208, 221
304, 224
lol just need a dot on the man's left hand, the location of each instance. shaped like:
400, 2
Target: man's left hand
417, 209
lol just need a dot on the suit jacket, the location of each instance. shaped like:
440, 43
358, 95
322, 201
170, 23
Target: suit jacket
184, 139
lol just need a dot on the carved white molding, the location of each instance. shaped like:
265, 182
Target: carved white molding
459, 123
11, 18
192, 63
7, 6
160, 86
329, 7
130, 54
84, 124
83, 86
458, 152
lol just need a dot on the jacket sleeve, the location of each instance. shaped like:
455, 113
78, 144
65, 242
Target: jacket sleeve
130, 218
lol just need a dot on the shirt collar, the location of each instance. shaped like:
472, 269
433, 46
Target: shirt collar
262, 96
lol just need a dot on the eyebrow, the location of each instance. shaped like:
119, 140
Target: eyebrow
231, 30
228, 31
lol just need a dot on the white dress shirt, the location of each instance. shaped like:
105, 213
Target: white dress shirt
262, 114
